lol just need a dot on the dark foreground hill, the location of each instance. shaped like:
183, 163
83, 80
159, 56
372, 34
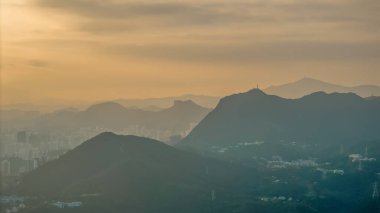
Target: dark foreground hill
112, 173
317, 121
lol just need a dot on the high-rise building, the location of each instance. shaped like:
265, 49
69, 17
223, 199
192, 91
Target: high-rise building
5, 168
375, 192
2, 149
32, 164
21, 137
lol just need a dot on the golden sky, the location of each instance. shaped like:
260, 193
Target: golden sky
105, 49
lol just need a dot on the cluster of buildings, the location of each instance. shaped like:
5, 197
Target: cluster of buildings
300, 163
359, 157
276, 199
325, 172
62, 205
22, 151
238, 145
12, 204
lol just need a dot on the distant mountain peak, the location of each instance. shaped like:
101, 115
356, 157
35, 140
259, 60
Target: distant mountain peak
183, 104
308, 79
249, 95
308, 85
318, 93
313, 82
256, 91
340, 94
106, 106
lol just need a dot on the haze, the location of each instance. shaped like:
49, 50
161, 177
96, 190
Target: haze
92, 50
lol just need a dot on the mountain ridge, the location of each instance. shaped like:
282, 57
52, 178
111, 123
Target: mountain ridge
179, 119
318, 117
307, 86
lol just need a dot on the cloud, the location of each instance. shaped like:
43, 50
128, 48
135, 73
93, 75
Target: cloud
253, 52
110, 16
229, 31
119, 16
110, 9
201, 12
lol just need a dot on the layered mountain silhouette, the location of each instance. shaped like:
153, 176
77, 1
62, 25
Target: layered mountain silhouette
165, 102
149, 104
275, 155
318, 118
114, 173
178, 119
307, 86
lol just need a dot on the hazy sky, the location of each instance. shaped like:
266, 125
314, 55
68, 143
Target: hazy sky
104, 49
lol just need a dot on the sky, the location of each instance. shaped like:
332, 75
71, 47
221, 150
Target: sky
107, 49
